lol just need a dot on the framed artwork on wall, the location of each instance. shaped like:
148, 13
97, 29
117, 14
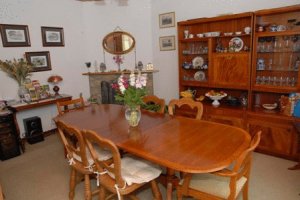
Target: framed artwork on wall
167, 43
14, 35
52, 36
167, 20
39, 60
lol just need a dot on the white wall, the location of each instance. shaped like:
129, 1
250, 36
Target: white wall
85, 24
166, 81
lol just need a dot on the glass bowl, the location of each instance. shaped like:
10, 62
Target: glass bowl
216, 98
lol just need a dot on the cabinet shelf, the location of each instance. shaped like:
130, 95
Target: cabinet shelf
277, 33
204, 39
194, 83
232, 53
194, 54
277, 52
274, 89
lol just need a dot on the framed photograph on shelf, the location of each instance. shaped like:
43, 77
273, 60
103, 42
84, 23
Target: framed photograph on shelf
39, 60
14, 35
167, 43
52, 36
167, 20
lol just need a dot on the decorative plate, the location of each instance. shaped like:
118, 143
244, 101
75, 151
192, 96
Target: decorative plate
198, 62
236, 43
199, 76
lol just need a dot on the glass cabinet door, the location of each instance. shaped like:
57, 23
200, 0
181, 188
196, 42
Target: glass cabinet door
277, 61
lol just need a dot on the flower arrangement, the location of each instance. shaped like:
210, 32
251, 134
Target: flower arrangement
16, 69
118, 59
131, 91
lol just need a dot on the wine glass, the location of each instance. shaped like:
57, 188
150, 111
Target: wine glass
286, 40
269, 41
294, 40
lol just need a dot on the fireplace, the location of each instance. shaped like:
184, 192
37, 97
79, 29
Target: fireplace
100, 84
107, 93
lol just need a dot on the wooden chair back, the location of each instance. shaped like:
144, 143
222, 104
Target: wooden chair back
69, 105
93, 140
152, 99
74, 145
241, 168
178, 106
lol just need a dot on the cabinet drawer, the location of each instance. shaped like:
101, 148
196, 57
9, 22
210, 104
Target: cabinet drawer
6, 125
276, 139
6, 131
6, 118
9, 147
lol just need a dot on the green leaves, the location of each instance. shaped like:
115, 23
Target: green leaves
132, 96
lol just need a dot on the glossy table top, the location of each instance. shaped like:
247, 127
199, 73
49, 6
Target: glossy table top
178, 143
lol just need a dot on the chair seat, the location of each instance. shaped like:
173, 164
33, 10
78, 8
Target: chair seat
102, 155
215, 185
136, 170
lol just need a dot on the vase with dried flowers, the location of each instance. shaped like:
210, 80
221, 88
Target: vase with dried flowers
19, 70
131, 92
118, 60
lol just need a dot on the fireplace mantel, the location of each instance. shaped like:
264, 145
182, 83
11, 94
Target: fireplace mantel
95, 79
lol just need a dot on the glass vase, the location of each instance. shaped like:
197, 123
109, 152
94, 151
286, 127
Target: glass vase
133, 115
21, 92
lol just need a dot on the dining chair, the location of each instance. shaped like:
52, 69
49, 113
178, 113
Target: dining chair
223, 184
125, 175
78, 159
156, 103
186, 107
69, 105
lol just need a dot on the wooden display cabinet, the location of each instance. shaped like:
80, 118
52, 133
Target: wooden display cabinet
275, 73
276, 55
222, 47
263, 70
228, 67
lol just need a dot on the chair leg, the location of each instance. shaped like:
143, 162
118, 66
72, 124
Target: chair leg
179, 194
101, 193
72, 184
87, 187
245, 191
155, 190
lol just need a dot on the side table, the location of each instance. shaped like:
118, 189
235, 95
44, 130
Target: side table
36, 104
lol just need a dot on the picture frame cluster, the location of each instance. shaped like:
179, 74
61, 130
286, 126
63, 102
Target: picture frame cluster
13, 35
167, 20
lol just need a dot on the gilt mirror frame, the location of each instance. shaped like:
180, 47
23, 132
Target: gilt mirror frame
114, 51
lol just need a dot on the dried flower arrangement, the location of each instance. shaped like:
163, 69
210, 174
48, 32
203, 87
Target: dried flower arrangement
18, 70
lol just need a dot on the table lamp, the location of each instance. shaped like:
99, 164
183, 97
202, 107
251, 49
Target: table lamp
55, 79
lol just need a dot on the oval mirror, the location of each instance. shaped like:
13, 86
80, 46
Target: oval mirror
118, 42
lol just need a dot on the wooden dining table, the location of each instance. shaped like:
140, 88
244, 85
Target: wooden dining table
177, 143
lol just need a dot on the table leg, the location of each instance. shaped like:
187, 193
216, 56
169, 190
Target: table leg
169, 180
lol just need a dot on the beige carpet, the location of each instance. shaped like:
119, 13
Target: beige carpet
42, 173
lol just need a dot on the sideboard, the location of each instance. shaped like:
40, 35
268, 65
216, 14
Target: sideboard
25, 110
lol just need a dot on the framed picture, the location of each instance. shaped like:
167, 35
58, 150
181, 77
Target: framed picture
14, 35
52, 36
167, 43
39, 60
167, 20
